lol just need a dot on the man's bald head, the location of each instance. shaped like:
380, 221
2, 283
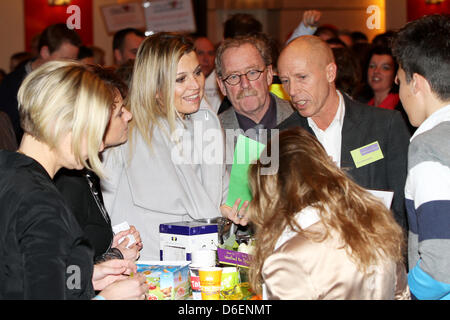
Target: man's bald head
312, 47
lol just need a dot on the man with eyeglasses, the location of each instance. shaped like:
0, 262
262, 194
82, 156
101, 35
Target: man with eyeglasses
244, 75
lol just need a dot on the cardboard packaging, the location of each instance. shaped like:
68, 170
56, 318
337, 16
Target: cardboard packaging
167, 280
233, 258
179, 239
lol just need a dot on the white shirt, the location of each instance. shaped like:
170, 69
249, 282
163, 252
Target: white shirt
331, 137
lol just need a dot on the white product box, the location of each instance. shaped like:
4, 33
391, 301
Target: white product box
179, 239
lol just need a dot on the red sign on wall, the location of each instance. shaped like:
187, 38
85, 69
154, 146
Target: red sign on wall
39, 15
419, 8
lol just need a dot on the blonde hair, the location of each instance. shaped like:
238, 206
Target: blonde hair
307, 177
62, 97
153, 83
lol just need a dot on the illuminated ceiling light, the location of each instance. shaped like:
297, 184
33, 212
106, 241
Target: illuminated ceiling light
59, 2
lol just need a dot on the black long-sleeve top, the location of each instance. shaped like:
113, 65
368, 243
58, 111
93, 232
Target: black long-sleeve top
81, 191
43, 251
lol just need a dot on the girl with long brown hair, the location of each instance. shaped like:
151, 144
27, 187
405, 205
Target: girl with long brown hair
319, 235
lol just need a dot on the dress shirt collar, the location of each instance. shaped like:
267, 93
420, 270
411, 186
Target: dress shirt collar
441, 115
338, 117
331, 137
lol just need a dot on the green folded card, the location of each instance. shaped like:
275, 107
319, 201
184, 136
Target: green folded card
247, 151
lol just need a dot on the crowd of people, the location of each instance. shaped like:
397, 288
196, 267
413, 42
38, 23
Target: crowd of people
85, 147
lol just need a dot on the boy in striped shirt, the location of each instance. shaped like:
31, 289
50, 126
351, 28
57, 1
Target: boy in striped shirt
422, 49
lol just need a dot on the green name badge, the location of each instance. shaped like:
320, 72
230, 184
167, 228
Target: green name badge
367, 154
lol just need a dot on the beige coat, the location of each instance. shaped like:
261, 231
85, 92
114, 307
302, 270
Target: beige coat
300, 269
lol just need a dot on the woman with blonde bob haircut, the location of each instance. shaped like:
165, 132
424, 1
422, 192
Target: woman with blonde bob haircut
44, 254
320, 235
162, 174
50, 108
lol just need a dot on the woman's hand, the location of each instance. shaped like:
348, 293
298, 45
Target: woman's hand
131, 288
110, 271
132, 252
235, 215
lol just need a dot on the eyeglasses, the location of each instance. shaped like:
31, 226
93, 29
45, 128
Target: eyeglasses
235, 78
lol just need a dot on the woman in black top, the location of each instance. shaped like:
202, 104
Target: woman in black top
81, 188
44, 254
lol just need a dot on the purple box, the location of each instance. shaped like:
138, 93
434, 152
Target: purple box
233, 257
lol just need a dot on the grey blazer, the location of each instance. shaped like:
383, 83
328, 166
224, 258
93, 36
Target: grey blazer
364, 124
229, 121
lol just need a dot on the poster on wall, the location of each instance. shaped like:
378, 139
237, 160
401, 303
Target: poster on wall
121, 16
169, 15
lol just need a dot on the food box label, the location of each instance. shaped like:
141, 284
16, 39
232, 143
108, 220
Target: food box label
166, 281
234, 258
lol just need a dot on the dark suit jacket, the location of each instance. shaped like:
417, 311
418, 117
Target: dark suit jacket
363, 125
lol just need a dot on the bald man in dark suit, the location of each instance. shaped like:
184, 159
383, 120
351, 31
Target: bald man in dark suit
369, 143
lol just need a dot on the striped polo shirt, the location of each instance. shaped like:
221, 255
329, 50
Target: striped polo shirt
427, 196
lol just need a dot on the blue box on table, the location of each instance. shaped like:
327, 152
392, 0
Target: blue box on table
179, 239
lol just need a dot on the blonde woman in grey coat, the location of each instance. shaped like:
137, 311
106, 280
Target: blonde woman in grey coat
171, 169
